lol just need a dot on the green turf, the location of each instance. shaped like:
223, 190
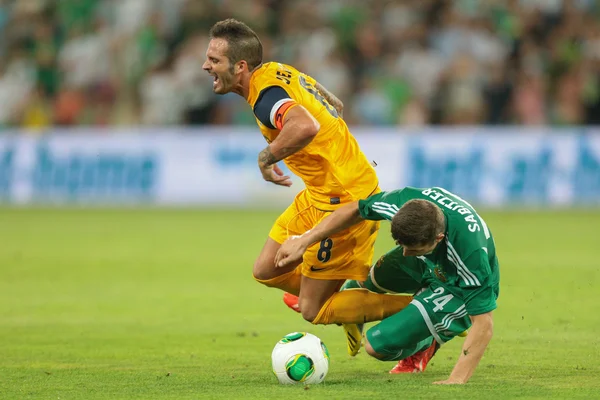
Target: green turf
160, 304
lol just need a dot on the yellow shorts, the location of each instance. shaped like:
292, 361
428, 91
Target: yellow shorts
346, 255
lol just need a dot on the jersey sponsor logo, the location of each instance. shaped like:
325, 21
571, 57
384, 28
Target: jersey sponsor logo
313, 269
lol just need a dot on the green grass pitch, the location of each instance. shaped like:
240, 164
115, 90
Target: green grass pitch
161, 304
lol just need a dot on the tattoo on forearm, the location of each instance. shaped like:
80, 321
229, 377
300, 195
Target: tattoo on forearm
266, 158
466, 352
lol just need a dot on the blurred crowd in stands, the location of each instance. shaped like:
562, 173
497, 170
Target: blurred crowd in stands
393, 63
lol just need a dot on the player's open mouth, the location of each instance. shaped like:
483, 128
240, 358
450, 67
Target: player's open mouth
216, 80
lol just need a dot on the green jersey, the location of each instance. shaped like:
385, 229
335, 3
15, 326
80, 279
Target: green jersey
465, 262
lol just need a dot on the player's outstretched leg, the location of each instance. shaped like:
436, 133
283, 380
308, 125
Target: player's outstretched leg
353, 332
388, 275
293, 302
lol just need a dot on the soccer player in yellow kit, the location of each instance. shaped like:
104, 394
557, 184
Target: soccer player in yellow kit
302, 124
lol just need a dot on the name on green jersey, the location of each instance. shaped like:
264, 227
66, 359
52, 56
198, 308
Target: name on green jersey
442, 199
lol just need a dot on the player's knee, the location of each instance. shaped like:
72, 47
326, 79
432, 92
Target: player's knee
309, 315
309, 309
384, 346
371, 351
258, 274
309, 312
261, 271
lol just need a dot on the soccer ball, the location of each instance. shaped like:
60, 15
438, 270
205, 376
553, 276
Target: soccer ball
300, 357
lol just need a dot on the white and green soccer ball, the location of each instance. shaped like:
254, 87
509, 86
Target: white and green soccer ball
300, 357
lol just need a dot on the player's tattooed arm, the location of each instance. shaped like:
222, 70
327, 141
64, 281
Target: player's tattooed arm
266, 158
299, 129
331, 98
267, 163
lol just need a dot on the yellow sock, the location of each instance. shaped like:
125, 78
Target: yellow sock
289, 282
358, 306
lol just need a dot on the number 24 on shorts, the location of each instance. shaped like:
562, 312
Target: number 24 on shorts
439, 302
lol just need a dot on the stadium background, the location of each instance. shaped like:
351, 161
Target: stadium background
394, 63
106, 102
104, 111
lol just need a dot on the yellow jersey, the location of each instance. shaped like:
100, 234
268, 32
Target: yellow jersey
333, 167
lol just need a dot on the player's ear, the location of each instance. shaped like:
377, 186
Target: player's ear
240, 66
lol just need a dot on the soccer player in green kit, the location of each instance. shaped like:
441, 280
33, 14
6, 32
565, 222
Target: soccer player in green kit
446, 254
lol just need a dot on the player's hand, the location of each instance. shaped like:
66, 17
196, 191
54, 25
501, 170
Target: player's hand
449, 381
272, 173
290, 252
